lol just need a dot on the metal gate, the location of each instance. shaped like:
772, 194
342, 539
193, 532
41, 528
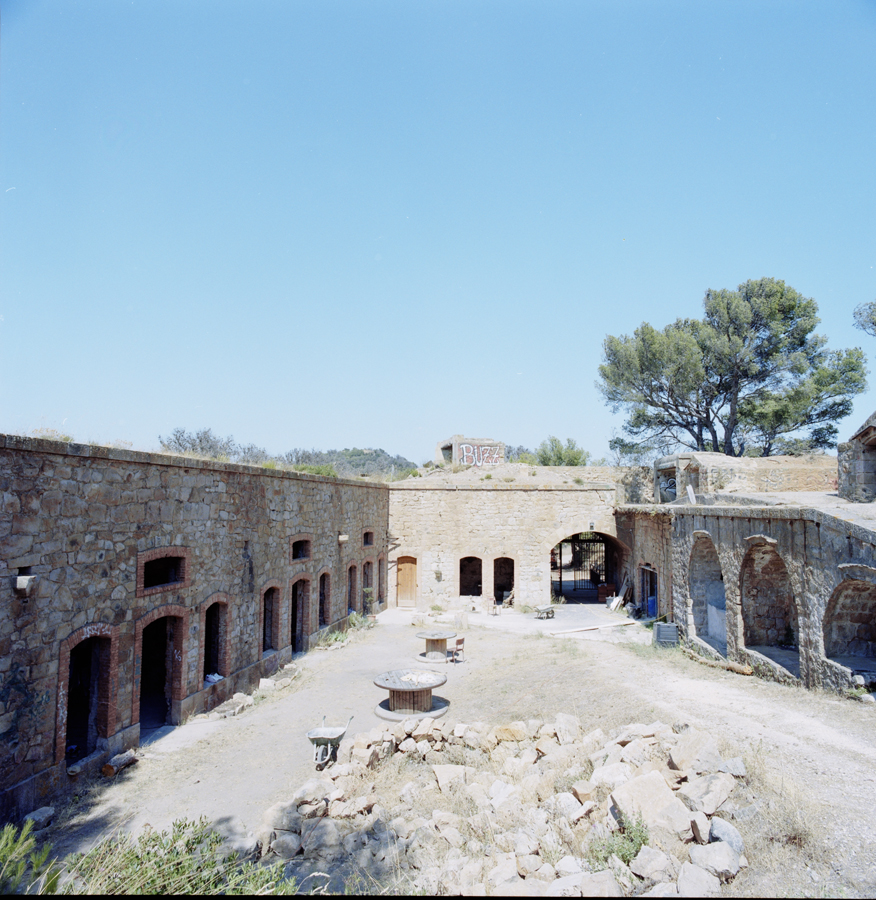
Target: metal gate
580, 564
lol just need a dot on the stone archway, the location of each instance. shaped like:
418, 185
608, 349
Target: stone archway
769, 611
850, 628
707, 595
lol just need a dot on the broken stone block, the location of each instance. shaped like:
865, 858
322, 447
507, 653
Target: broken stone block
516, 731
40, 817
583, 811
636, 753
697, 752
283, 816
367, 757
423, 729
267, 684
734, 766
562, 804
545, 745
407, 745
568, 865
614, 775
651, 798
447, 775
584, 790
699, 823
568, 728
322, 839
286, 845
722, 830
599, 884
696, 882
409, 725
528, 757
652, 865
719, 859
528, 865
312, 791
707, 793
505, 871
607, 755
664, 889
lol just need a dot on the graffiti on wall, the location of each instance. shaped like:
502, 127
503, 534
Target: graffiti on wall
480, 454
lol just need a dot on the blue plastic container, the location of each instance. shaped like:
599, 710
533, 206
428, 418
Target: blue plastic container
652, 607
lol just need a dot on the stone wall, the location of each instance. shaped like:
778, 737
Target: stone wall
79, 525
857, 464
438, 525
715, 472
780, 567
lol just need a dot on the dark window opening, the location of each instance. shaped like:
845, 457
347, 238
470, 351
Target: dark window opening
381, 580
162, 571
25, 570
86, 698
470, 577
368, 539
301, 550
268, 620
214, 637
367, 586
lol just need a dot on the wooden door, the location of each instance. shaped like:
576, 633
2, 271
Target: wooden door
407, 581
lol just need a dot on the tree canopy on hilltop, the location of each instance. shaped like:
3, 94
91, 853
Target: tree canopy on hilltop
747, 378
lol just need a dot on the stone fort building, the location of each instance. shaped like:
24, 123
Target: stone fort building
127, 578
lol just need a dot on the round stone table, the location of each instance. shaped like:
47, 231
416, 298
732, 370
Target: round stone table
436, 644
410, 694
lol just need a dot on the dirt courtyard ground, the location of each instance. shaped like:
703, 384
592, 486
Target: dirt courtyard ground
812, 755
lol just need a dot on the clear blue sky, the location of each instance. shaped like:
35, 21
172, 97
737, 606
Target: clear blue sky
376, 224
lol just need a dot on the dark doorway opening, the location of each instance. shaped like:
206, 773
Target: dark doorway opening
86, 698
325, 599
300, 597
470, 576
503, 577
584, 567
271, 598
155, 674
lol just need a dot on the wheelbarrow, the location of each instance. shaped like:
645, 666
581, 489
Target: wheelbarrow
325, 743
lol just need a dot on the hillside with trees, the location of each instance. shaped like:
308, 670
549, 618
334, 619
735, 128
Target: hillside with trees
347, 463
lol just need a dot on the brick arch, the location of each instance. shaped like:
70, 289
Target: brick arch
304, 626
107, 689
177, 683
276, 617
224, 600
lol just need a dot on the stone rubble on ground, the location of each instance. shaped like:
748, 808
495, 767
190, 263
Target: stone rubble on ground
523, 818
240, 701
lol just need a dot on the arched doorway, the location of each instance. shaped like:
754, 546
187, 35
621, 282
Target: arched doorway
850, 628
157, 664
503, 577
470, 576
769, 611
707, 596
407, 581
584, 567
87, 697
299, 613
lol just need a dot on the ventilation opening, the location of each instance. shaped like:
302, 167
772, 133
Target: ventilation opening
166, 570
301, 550
368, 538
25, 570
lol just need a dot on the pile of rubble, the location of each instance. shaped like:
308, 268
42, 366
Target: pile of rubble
526, 808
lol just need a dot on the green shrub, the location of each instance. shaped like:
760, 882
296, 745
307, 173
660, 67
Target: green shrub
187, 860
22, 866
625, 843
